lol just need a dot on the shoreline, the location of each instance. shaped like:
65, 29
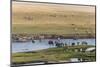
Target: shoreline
29, 37
64, 53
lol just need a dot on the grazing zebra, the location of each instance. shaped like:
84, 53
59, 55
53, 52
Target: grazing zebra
58, 44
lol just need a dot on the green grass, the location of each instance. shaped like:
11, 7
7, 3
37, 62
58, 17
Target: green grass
53, 54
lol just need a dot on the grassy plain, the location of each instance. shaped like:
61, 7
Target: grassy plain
53, 54
38, 18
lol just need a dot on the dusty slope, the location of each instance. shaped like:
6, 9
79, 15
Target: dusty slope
38, 17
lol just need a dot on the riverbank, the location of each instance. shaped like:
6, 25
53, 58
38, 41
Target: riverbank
27, 37
55, 55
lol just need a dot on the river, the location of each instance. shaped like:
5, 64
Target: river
37, 45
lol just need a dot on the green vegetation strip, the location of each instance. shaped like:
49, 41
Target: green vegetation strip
53, 54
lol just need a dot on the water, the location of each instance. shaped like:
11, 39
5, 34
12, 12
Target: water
29, 46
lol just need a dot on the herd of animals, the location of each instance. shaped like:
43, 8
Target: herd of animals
58, 43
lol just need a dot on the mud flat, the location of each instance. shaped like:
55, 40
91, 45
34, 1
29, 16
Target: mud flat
28, 37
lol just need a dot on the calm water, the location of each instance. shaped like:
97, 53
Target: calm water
29, 46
